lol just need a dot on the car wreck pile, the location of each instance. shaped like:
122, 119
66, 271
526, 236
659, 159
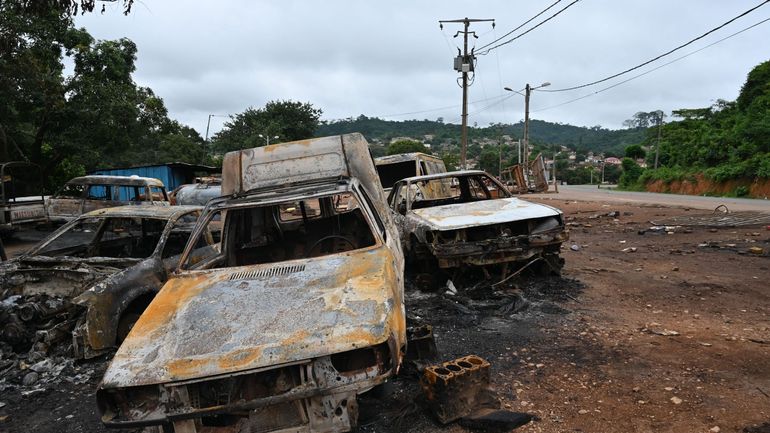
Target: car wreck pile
279, 303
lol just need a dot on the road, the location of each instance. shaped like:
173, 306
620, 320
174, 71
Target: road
607, 195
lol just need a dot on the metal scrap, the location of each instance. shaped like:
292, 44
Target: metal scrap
720, 219
454, 389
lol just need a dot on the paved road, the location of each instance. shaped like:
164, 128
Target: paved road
592, 193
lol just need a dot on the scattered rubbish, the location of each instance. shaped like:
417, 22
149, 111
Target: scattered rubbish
451, 289
657, 329
732, 219
676, 400
495, 420
756, 250
629, 250
574, 247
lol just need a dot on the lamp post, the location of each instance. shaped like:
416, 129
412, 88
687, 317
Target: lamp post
267, 138
208, 125
527, 91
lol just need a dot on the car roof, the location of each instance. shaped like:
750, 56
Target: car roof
116, 180
142, 211
458, 173
401, 157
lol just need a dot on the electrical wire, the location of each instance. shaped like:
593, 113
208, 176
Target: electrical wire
660, 56
486, 51
652, 70
439, 108
521, 25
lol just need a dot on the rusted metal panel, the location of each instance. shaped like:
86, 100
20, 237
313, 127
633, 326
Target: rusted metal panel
205, 323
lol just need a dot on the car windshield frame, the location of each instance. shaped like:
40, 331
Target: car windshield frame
36, 250
270, 198
408, 184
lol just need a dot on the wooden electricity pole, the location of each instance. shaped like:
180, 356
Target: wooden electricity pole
464, 63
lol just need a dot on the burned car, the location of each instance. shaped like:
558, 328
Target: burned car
21, 196
297, 310
86, 193
103, 268
392, 168
452, 220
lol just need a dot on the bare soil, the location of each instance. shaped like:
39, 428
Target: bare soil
672, 335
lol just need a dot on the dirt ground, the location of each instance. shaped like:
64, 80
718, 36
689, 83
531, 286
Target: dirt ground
670, 335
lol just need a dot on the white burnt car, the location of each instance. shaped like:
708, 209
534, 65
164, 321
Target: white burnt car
462, 218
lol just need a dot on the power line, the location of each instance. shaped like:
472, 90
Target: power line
520, 26
654, 69
660, 56
439, 108
485, 52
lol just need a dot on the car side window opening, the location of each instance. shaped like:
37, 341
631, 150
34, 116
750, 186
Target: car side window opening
284, 231
448, 190
180, 234
116, 237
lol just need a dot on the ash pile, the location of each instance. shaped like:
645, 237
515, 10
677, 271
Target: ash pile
36, 343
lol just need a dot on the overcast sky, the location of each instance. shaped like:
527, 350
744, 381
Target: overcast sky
386, 58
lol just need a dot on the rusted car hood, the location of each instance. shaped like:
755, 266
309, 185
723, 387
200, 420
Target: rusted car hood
458, 216
220, 321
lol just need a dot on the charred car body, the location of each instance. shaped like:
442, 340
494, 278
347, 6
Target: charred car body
392, 168
106, 265
86, 193
297, 309
21, 196
453, 220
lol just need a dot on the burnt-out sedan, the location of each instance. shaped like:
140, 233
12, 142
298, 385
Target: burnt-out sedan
468, 218
100, 271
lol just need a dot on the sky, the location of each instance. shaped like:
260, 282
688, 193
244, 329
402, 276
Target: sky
390, 59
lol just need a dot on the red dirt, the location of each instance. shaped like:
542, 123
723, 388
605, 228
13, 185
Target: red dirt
757, 188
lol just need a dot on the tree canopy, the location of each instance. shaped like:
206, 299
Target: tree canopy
288, 120
97, 117
406, 146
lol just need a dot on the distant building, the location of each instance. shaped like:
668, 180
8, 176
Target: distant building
612, 161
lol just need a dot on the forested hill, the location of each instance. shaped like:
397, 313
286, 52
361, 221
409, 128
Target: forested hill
541, 132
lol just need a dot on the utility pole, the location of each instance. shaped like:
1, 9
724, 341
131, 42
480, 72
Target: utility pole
527, 92
464, 63
657, 145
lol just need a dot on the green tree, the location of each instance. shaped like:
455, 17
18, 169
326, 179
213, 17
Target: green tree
631, 173
451, 160
289, 120
635, 151
489, 161
406, 146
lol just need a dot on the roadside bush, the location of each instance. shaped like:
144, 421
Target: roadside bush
631, 173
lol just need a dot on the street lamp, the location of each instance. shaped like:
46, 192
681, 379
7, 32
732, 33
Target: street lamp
208, 124
268, 138
527, 91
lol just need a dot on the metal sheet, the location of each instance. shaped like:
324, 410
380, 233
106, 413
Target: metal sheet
204, 323
456, 216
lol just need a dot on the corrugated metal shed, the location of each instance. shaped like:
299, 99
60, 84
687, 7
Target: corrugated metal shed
172, 174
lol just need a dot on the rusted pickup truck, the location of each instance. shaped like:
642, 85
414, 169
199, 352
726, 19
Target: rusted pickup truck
452, 220
86, 193
297, 310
